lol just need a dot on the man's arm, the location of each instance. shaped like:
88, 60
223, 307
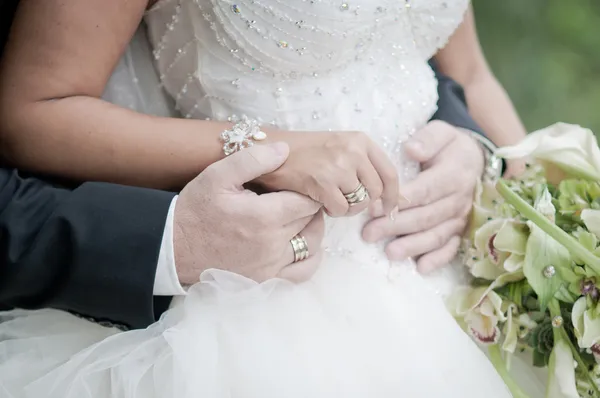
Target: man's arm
92, 251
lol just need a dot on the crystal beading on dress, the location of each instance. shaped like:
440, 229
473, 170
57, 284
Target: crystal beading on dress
279, 53
316, 65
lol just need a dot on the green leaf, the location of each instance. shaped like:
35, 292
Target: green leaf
595, 313
575, 288
569, 274
539, 360
573, 196
543, 251
563, 294
593, 190
587, 240
537, 316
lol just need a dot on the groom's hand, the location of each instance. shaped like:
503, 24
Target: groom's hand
219, 224
432, 219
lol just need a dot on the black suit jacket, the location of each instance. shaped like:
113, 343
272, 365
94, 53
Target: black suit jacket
93, 250
7, 11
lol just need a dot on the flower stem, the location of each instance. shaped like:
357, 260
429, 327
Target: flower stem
527, 211
495, 355
560, 333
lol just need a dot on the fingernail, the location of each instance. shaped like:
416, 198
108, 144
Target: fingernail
415, 150
424, 269
415, 146
377, 209
393, 213
399, 257
396, 254
370, 236
403, 198
280, 148
403, 201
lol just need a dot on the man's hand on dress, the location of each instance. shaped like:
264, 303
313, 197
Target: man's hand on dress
219, 224
437, 203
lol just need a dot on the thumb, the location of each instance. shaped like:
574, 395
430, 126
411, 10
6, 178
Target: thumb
249, 164
429, 141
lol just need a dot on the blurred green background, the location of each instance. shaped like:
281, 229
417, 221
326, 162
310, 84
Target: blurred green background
546, 53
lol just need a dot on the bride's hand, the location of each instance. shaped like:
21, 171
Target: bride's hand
327, 165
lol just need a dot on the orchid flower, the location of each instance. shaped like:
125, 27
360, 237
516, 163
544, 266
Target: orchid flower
498, 248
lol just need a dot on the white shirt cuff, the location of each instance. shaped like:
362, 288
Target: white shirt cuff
166, 282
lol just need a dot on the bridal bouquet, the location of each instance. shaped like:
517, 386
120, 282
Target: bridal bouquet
533, 249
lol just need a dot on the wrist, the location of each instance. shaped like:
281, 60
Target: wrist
186, 256
166, 281
179, 251
270, 181
492, 165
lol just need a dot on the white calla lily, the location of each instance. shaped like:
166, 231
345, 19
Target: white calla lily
561, 383
591, 219
586, 324
571, 148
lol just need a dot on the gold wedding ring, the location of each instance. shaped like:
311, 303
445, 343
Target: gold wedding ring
300, 247
357, 196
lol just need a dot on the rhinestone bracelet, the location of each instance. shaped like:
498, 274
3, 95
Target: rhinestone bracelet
242, 135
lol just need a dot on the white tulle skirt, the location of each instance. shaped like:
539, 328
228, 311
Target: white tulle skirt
352, 331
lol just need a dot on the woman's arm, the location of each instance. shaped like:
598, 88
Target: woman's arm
59, 58
52, 120
462, 59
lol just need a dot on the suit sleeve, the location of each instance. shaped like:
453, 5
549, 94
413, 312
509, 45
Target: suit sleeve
92, 250
452, 104
7, 12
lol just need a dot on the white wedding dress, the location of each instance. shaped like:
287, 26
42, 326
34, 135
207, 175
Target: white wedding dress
362, 327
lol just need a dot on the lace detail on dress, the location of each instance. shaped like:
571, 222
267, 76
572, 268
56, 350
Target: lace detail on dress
308, 65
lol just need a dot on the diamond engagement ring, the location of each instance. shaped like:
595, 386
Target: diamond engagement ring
357, 196
300, 247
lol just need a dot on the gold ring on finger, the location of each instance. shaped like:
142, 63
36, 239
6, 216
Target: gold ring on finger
359, 195
300, 247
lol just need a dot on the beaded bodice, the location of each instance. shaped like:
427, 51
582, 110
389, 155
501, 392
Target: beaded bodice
305, 64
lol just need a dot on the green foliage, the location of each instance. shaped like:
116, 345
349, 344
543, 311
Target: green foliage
546, 53
541, 340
